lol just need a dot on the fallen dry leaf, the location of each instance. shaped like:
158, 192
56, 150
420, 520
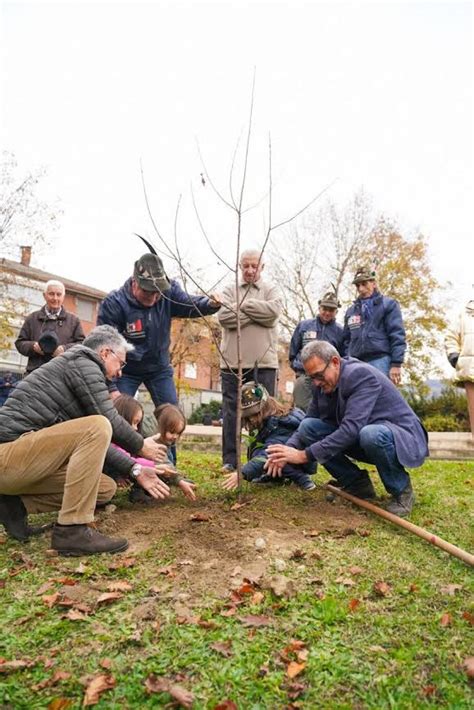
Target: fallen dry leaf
106, 663
468, 667
51, 599
467, 616
124, 562
81, 568
281, 586
120, 585
60, 703
55, 678
295, 689
108, 597
44, 588
451, 589
446, 620
382, 589
74, 615
98, 685
345, 581
413, 588
429, 690
353, 604
311, 533
168, 570
255, 620
15, 665
293, 669
246, 588
67, 581
199, 518
257, 598
226, 705
223, 647
355, 570
297, 554
229, 612
237, 506
157, 684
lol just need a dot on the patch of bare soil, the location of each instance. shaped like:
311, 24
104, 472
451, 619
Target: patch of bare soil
213, 545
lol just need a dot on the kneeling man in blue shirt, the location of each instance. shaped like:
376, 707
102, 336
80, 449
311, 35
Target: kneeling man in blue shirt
356, 413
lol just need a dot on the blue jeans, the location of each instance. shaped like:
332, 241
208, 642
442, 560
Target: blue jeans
159, 384
381, 363
375, 445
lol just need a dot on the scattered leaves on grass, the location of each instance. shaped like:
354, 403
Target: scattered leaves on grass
98, 685
297, 555
281, 586
345, 581
223, 647
231, 611
446, 619
237, 506
226, 705
199, 518
255, 620
468, 667
353, 604
74, 615
158, 684
167, 571
44, 588
258, 598
106, 663
295, 689
51, 599
429, 690
382, 589
81, 568
354, 570
451, 589
413, 588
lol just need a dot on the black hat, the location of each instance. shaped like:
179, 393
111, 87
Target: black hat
253, 396
150, 275
48, 342
364, 273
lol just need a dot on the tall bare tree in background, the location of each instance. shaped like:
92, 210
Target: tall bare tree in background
328, 247
26, 220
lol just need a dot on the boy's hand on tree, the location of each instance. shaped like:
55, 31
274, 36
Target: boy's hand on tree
188, 489
279, 455
152, 450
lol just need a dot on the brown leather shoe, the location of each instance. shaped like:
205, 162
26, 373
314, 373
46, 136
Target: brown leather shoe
77, 540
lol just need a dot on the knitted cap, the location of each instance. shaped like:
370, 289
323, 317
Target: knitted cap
253, 396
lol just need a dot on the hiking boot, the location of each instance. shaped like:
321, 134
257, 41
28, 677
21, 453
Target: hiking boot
362, 487
305, 483
77, 540
14, 518
402, 503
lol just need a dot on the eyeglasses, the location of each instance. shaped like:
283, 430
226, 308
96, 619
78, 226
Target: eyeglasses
122, 362
319, 376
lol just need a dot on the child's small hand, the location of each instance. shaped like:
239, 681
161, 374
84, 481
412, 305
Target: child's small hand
188, 489
123, 483
231, 481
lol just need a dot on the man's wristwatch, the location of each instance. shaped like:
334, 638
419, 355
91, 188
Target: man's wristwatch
136, 470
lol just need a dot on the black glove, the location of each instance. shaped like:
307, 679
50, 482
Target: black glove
453, 359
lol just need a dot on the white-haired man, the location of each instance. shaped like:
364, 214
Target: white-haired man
50, 331
260, 307
55, 433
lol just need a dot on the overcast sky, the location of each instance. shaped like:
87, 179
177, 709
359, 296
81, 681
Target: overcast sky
374, 94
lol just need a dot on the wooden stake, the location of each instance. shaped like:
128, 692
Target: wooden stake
411, 527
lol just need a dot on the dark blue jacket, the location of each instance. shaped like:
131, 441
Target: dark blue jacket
274, 430
364, 396
309, 330
382, 334
148, 329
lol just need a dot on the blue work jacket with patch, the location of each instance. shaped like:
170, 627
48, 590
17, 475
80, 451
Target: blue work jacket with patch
309, 330
148, 329
363, 396
380, 334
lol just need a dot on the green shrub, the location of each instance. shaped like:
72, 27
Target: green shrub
443, 422
213, 408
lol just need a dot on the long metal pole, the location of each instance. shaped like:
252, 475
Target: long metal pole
411, 527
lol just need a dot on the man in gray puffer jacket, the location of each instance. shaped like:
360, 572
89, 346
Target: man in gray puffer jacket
55, 435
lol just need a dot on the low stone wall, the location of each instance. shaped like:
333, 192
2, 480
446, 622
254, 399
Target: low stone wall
451, 446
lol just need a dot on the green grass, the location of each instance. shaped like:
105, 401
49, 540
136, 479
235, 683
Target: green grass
389, 652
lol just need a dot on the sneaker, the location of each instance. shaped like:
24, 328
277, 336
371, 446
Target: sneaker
228, 468
305, 483
402, 504
77, 540
14, 518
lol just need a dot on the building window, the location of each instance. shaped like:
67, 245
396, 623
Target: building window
289, 387
85, 309
190, 370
